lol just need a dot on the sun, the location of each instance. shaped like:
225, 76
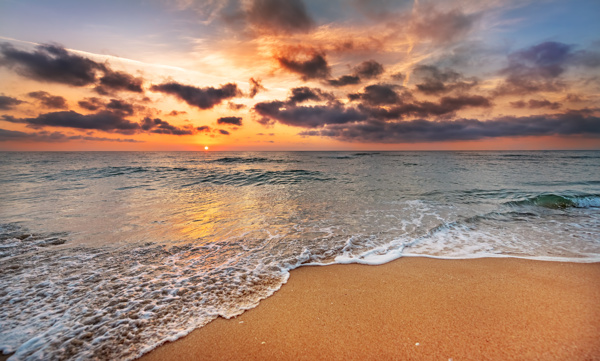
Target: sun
206, 148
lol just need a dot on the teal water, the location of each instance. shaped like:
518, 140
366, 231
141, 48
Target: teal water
107, 255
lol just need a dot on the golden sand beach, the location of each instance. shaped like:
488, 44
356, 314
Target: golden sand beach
414, 309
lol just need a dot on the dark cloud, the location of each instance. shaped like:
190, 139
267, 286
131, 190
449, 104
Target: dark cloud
224, 132
436, 81
104, 120
368, 69
586, 58
377, 102
51, 63
398, 76
442, 27
306, 116
344, 80
235, 106
204, 128
303, 94
52, 137
159, 126
266, 122
314, 67
255, 87
49, 101
535, 69
7, 103
378, 94
539, 68
203, 98
120, 106
92, 103
536, 104
107, 121
421, 130
286, 16
176, 112
119, 81
230, 121
445, 106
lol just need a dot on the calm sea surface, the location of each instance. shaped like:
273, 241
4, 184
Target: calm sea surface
107, 255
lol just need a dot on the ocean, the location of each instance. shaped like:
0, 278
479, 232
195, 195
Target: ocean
106, 255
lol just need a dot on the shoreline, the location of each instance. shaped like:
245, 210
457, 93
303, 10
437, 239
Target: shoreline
413, 308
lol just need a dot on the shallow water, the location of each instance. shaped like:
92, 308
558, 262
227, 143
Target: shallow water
107, 255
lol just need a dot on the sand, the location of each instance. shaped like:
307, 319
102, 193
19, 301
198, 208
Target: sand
414, 309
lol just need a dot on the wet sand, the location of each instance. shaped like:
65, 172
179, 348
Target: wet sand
414, 309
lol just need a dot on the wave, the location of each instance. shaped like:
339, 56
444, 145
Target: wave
251, 160
258, 177
365, 154
555, 201
105, 172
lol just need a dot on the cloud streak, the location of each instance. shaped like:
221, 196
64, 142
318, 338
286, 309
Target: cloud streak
107, 121
421, 130
54, 137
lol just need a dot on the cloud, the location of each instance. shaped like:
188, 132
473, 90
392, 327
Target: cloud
441, 27
92, 103
104, 120
43, 136
306, 116
119, 81
344, 80
120, 106
420, 130
204, 128
235, 106
536, 104
369, 69
536, 69
303, 94
203, 98
398, 76
436, 81
159, 126
107, 121
224, 132
49, 101
288, 16
174, 113
255, 87
445, 106
378, 94
312, 66
7, 103
51, 63
377, 102
230, 121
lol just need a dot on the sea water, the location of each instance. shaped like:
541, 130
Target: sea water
107, 254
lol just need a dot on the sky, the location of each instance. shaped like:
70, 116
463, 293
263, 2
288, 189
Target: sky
237, 75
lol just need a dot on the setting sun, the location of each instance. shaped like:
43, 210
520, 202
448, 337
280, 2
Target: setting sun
205, 148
